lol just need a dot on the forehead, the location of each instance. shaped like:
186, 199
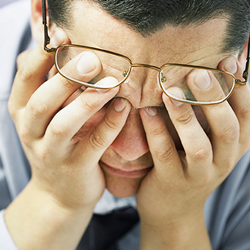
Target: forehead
93, 26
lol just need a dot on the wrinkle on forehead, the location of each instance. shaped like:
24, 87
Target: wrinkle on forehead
104, 24
192, 44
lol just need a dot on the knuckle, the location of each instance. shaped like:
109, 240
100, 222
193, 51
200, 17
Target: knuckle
37, 108
21, 57
24, 136
97, 140
185, 117
111, 123
67, 84
44, 155
24, 73
201, 154
159, 130
165, 153
57, 130
227, 168
88, 105
230, 133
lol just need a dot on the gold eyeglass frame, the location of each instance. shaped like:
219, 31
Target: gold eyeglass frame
159, 69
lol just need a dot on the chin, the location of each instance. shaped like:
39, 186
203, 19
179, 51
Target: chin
122, 187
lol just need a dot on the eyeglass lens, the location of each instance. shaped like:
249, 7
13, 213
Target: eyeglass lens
110, 69
186, 83
183, 83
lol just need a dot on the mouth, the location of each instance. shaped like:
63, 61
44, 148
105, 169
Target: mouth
125, 174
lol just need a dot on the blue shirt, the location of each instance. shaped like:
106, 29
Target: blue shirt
227, 210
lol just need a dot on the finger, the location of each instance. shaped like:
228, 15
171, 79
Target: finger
22, 57
205, 86
240, 102
221, 118
103, 134
33, 69
162, 148
31, 74
195, 142
70, 119
52, 72
49, 98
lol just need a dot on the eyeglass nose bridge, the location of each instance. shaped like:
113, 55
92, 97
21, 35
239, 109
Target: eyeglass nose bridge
146, 66
161, 78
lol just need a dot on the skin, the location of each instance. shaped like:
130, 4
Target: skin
70, 135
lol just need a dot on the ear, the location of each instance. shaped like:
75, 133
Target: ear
243, 56
37, 27
36, 20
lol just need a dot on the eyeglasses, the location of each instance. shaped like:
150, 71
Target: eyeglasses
178, 81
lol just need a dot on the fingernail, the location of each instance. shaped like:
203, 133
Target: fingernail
151, 111
231, 66
107, 82
177, 93
120, 104
176, 103
57, 38
86, 63
102, 91
202, 79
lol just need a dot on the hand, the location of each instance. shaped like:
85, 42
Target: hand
64, 165
173, 194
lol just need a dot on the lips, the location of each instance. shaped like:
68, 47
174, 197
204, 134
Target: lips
125, 173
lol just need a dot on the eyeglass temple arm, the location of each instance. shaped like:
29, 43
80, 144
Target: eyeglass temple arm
46, 35
246, 72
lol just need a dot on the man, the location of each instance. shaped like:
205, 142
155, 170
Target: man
105, 121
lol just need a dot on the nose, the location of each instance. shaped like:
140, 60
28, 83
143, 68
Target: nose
141, 88
131, 143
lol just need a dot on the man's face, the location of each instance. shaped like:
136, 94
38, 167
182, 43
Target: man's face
128, 160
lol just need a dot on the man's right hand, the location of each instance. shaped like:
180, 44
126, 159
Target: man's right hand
65, 168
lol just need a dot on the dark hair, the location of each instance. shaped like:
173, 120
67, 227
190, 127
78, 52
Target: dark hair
148, 16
